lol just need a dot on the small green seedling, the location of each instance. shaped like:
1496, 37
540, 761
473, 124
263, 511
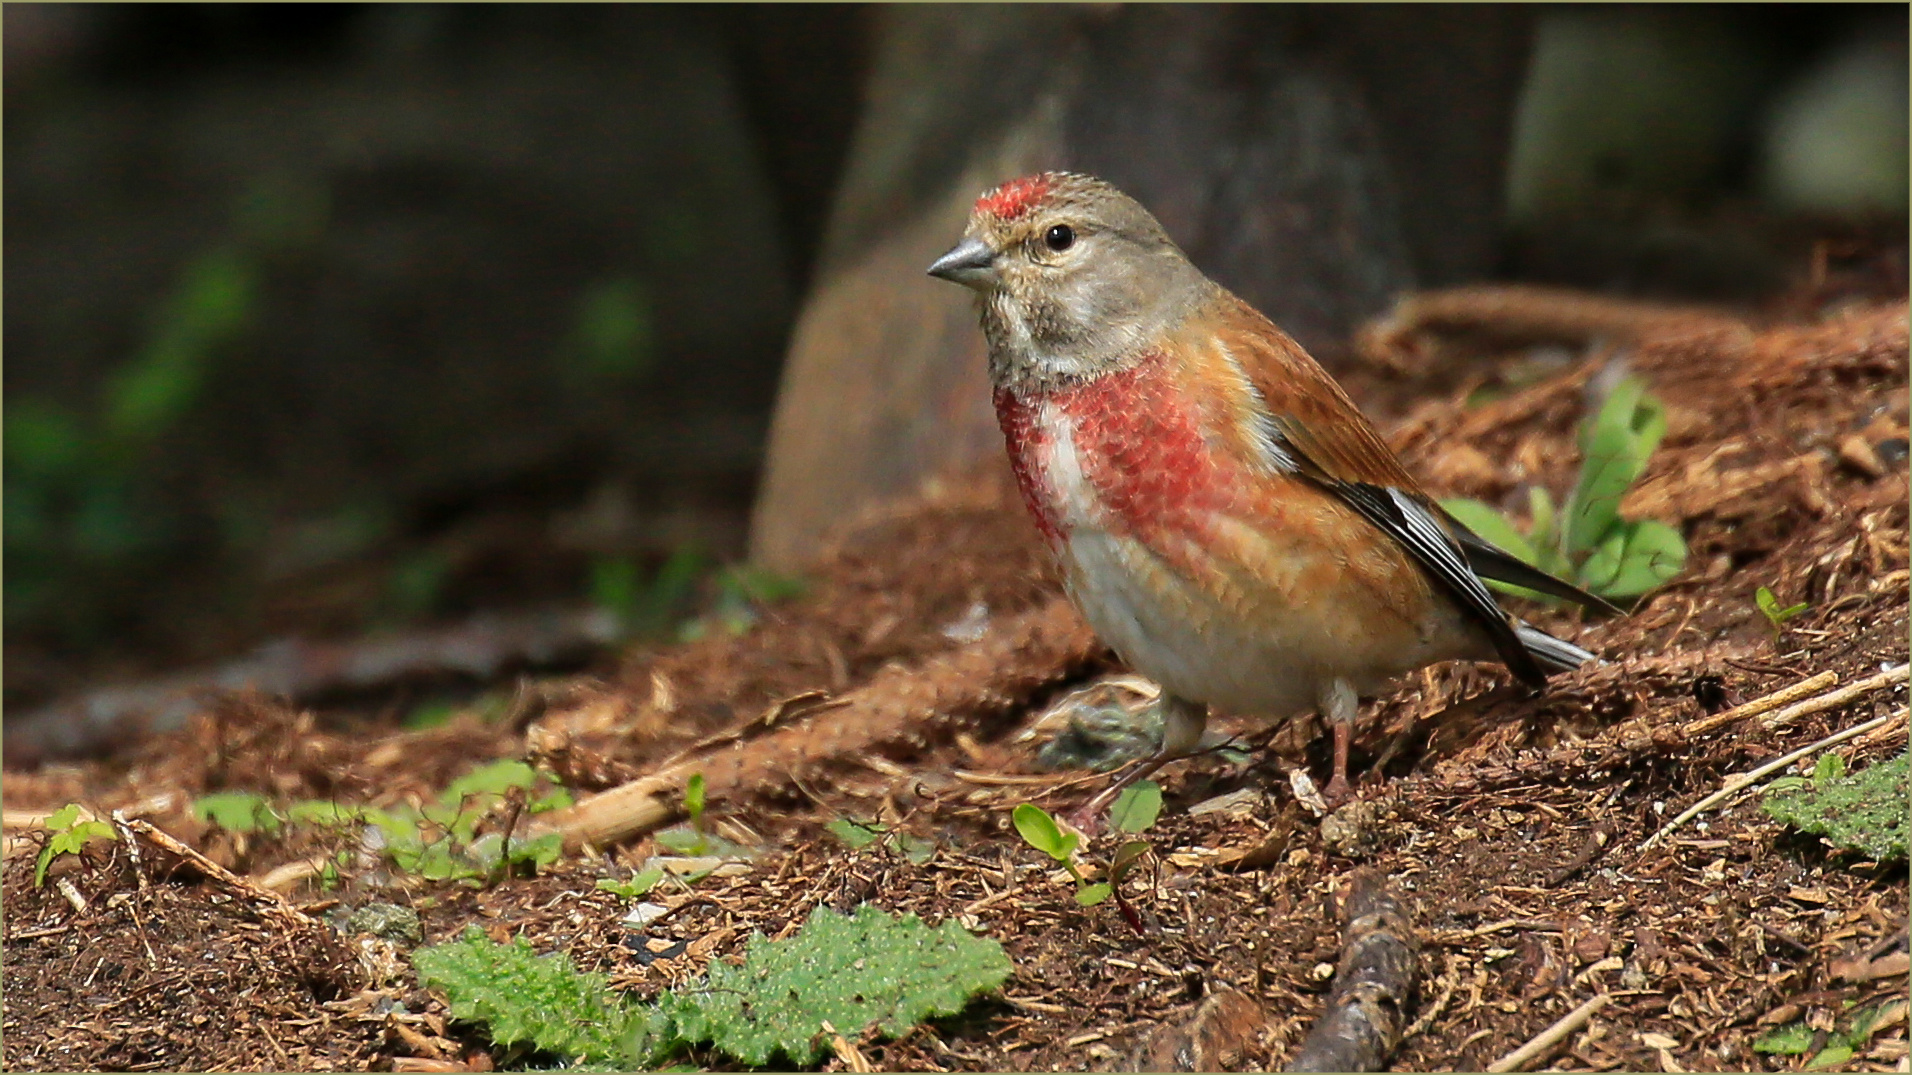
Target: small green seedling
741, 592
1135, 810
857, 835
1587, 542
67, 835
1769, 607
1040, 831
692, 839
641, 882
647, 607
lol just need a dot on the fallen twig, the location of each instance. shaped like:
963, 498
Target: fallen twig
125, 830
1013, 662
1450, 981
1544, 1041
274, 904
1736, 784
1764, 704
1833, 699
851, 1057
1373, 986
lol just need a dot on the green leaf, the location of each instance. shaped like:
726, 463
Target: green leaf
44, 442
762, 585
694, 797
522, 997
212, 305
915, 849
1789, 1040
236, 811
1137, 807
1543, 535
614, 588
536, 852
493, 778
614, 338
1090, 895
1830, 1057
1829, 767
641, 882
1600, 568
327, 813
430, 715
1769, 607
854, 835
861, 971
64, 818
1126, 857
1654, 553
1491, 525
1616, 444
1040, 831
683, 840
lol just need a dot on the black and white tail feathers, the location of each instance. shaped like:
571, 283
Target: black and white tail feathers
1552, 654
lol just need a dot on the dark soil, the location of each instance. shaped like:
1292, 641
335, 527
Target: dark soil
898, 690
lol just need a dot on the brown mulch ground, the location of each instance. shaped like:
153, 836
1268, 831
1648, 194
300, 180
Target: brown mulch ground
898, 690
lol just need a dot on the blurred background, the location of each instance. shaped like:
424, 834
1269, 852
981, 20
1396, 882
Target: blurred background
332, 322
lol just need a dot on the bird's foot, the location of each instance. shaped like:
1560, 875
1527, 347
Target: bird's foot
1338, 793
1087, 820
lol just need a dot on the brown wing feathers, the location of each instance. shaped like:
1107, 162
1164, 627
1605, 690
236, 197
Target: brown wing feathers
1333, 445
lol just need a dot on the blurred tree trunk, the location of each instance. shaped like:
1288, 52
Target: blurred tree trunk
1317, 160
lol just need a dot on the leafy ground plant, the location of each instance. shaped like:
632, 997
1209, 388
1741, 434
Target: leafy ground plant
1863, 811
866, 970
641, 882
1587, 542
857, 835
439, 841
1796, 1039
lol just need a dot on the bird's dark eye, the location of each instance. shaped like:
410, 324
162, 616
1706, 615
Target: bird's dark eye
1060, 238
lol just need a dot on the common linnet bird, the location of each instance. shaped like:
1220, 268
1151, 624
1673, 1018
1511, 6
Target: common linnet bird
1224, 516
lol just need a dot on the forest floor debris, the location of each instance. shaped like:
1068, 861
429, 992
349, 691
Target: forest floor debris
892, 697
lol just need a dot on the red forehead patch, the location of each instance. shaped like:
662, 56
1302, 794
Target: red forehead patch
1014, 198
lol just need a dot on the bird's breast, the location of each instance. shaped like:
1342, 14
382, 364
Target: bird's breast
1123, 453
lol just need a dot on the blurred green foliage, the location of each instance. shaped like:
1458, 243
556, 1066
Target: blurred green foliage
647, 606
85, 504
614, 334
1587, 542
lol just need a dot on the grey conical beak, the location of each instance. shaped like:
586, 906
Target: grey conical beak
971, 264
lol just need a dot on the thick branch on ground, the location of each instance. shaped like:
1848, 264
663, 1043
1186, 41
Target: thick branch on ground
1373, 986
1016, 661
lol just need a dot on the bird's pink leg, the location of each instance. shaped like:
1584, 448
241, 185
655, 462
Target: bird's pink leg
1340, 706
1182, 724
